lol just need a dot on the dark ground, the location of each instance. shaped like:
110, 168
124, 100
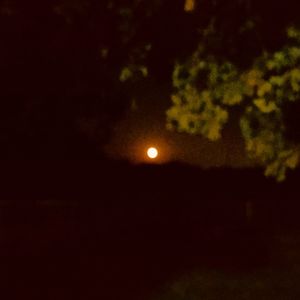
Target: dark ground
112, 231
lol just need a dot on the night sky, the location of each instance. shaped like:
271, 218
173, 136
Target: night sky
84, 212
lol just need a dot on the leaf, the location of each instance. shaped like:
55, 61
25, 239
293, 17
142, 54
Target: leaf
270, 65
272, 169
279, 58
295, 80
265, 88
176, 100
292, 160
277, 80
231, 93
265, 107
293, 33
295, 74
253, 77
294, 52
126, 73
144, 71
213, 130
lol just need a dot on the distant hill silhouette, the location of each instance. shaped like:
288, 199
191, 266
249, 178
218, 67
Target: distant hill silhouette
141, 191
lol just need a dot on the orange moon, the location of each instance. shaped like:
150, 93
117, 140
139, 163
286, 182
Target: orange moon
152, 152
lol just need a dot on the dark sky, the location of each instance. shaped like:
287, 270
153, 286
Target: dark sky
144, 125
59, 94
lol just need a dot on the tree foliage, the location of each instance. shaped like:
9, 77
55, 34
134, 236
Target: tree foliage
209, 89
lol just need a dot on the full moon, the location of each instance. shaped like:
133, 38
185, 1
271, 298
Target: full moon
152, 152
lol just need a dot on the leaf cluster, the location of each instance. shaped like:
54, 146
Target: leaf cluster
208, 89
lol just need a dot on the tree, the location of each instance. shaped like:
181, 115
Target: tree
212, 86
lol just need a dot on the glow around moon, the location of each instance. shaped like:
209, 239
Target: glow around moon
152, 152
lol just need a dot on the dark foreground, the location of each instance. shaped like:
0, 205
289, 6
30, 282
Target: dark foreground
117, 232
